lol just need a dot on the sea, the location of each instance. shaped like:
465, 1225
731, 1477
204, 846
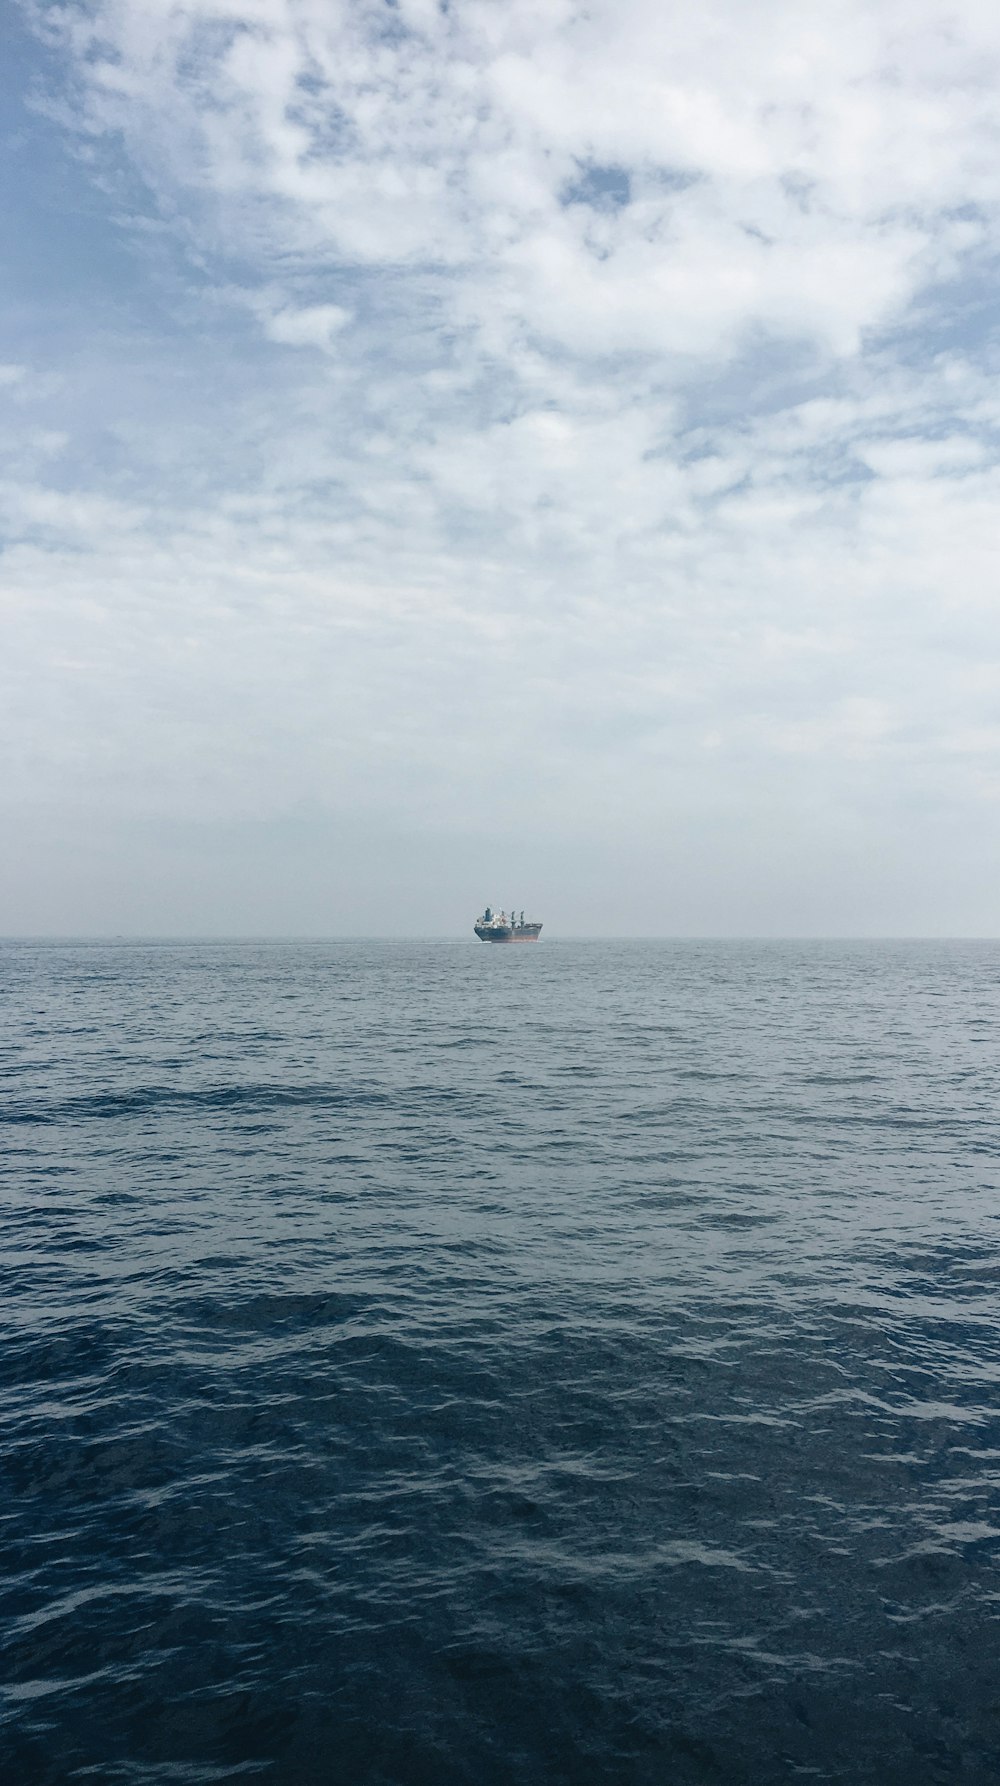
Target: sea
429, 1364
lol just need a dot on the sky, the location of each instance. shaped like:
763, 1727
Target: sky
465, 451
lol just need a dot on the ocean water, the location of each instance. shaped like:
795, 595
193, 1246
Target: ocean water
432, 1363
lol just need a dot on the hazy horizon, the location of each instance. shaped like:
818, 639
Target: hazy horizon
183, 938
460, 452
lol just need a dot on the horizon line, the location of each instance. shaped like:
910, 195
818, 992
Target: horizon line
291, 936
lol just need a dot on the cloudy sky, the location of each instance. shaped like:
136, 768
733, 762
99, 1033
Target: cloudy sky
464, 450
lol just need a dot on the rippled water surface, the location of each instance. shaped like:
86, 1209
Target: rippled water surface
430, 1363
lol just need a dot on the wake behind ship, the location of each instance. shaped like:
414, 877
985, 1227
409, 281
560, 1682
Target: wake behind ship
499, 927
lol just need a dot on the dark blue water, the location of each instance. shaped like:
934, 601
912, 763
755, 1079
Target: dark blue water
437, 1363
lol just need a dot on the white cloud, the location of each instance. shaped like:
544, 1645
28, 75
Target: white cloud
636, 426
799, 175
313, 325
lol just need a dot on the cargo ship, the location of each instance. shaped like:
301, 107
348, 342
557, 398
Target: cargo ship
501, 927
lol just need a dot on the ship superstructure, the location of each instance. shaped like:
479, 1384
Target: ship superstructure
506, 927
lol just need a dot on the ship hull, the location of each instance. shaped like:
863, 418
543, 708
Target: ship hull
529, 934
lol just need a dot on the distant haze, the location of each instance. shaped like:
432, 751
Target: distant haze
506, 452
